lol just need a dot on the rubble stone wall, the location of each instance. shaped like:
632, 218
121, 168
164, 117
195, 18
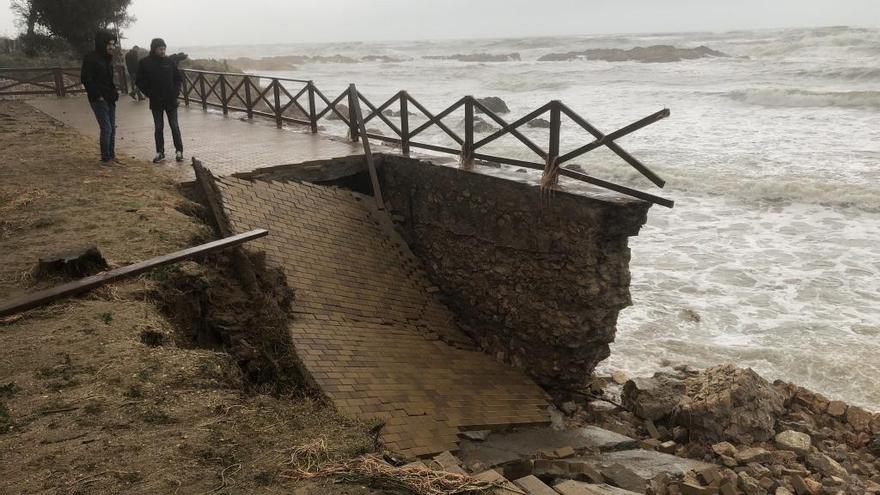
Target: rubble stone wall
538, 285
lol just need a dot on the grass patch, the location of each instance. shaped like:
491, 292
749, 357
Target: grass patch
107, 317
5, 419
8, 389
134, 392
156, 416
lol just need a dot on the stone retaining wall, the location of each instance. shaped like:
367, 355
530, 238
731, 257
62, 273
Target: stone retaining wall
539, 286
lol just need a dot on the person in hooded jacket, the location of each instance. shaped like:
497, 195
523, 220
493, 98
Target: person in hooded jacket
159, 78
97, 78
131, 64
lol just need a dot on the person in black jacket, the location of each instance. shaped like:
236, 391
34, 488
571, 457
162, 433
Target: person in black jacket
97, 77
131, 64
159, 79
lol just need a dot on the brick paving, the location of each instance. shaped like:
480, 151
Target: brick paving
226, 145
368, 330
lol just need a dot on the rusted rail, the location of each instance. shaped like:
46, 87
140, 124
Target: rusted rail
37, 299
299, 101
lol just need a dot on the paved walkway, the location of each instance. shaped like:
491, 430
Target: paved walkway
368, 329
225, 144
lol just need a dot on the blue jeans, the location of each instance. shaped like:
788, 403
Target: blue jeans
105, 113
158, 121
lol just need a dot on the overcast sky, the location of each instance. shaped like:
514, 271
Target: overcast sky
225, 22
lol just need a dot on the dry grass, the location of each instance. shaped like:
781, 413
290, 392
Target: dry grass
311, 461
88, 406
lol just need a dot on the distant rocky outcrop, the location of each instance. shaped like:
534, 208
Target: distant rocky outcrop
478, 57
287, 62
650, 54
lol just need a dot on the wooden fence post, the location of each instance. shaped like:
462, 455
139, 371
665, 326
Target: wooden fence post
202, 91
404, 123
59, 82
313, 115
247, 94
550, 175
276, 86
352, 118
467, 149
185, 87
223, 101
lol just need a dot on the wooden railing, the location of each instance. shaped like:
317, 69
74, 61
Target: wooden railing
57, 81
307, 105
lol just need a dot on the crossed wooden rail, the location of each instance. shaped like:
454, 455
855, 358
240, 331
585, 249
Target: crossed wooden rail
274, 100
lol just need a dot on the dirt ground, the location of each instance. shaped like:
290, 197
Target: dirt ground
90, 401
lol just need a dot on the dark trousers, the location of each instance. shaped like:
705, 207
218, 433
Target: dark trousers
105, 113
159, 122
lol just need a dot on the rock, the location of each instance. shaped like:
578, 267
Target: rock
541, 124
653, 398
836, 408
494, 104
73, 263
816, 403
569, 407
750, 485
827, 466
341, 108
668, 447
858, 418
794, 441
800, 485
729, 403
813, 486
476, 436
724, 448
729, 461
619, 377
679, 434
783, 491
753, 454
875, 424
481, 125
691, 488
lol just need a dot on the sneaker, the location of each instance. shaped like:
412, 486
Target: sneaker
117, 161
160, 157
178, 156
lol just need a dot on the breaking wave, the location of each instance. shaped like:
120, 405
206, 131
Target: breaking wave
797, 98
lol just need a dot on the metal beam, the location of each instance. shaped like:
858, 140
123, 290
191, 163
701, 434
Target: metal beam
37, 299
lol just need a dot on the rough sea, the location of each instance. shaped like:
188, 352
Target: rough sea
771, 257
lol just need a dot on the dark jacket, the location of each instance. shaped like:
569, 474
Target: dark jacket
131, 61
97, 71
159, 79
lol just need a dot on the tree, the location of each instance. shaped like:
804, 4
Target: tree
74, 21
27, 15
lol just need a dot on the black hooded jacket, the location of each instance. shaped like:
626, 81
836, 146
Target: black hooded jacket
97, 71
159, 79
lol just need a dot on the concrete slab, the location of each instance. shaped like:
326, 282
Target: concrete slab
502, 448
533, 486
578, 488
646, 464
